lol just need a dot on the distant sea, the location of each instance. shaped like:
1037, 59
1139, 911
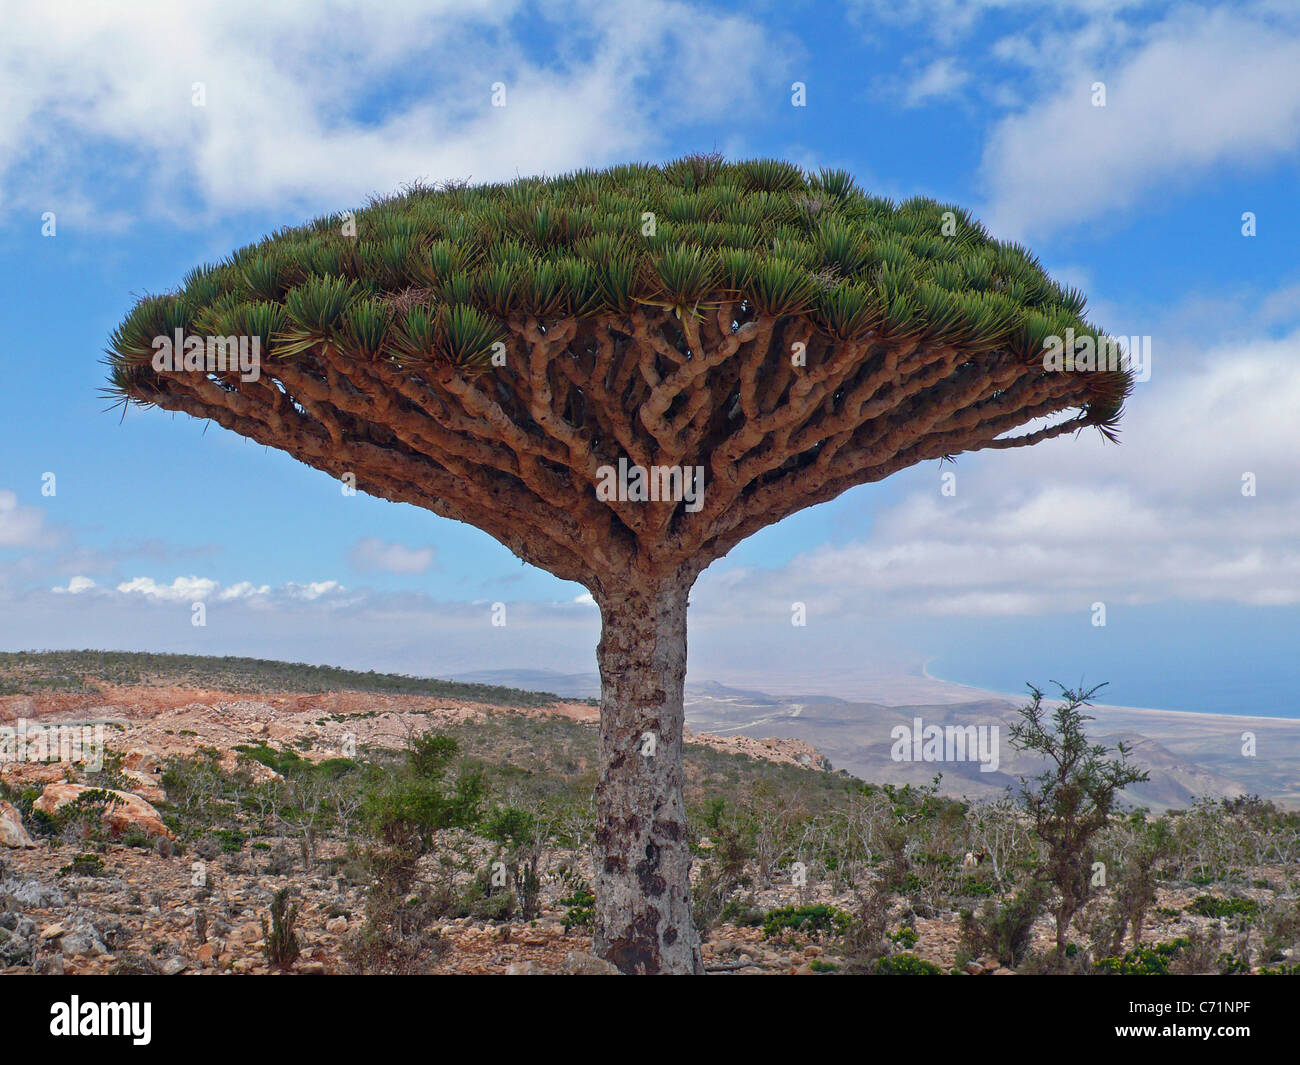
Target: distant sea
1221, 660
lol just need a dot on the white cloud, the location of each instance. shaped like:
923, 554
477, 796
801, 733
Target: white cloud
182, 589
244, 590
312, 591
371, 554
20, 526
200, 589
937, 81
1061, 525
1191, 89
313, 107
1200, 92
76, 586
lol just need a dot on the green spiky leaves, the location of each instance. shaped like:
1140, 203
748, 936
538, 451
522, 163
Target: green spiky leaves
440, 273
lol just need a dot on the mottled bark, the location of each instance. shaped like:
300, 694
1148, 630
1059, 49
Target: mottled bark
642, 859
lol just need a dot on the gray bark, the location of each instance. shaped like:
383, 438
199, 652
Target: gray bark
643, 860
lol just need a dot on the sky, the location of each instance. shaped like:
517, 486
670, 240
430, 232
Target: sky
1146, 152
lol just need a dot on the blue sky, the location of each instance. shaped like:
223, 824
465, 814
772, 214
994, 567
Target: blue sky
310, 108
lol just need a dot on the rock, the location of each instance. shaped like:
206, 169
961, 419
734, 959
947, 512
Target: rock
49, 965
141, 760
129, 812
524, 968
82, 941
311, 968
53, 931
1002, 970
12, 833
28, 774
235, 761
144, 787
974, 968
580, 963
337, 925
174, 966
204, 953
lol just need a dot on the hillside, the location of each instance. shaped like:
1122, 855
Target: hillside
226, 797
29, 672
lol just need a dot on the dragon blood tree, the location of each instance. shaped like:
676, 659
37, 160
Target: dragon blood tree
492, 353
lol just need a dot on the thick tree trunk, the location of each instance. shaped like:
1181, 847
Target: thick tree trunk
643, 861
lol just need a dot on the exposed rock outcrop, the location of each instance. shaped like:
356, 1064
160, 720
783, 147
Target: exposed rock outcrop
130, 811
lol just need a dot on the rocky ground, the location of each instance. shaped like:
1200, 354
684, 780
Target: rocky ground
159, 910
160, 907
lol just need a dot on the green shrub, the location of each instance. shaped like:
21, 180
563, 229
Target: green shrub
906, 936
282, 947
1003, 929
85, 865
580, 908
1071, 801
906, 965
810, 921
231, 840
1214, 906
1144, 961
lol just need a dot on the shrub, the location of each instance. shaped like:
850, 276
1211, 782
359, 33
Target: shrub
1071, 801
1144, 961
85, 865
906, 965
811, 921
580, 908
1003, 929
1214, 906
906, 936
282, 947
864, 939
518, 833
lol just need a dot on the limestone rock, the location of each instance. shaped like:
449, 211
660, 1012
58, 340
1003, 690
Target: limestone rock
129, 812
580, 963
12, 833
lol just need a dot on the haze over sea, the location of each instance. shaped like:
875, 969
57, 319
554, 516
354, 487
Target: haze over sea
1240, 661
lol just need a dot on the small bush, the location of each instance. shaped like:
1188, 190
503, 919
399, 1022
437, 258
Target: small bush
85, 865
906, 965
1144, 961
1003, 929
810, 921
580, 908
906, 936
282, 947
1213, 906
